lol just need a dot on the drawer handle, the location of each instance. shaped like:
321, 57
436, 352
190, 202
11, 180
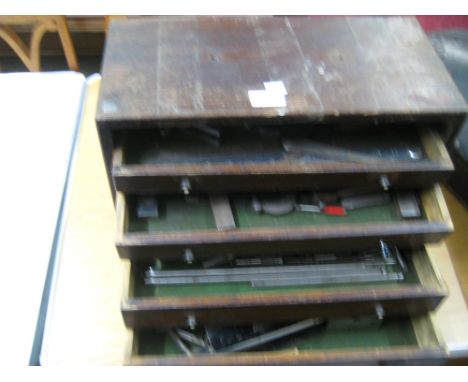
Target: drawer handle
384, 182
185, 186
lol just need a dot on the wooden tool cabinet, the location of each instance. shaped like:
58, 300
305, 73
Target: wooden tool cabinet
297, 105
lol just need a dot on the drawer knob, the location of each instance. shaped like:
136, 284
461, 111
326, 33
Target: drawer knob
185, 186
191, 321
379, 311
384, 182
188, 256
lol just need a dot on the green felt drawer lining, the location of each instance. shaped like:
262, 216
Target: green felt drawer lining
340, 333
177, 215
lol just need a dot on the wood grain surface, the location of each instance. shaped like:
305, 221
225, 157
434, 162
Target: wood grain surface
203, 67
200, 70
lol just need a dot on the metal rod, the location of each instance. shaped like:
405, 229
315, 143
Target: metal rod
249, 277
400, 260
192, 338
307, 147
179, 343
272, 336
330, 275
151, 273
318, 260
337, 279
256, 261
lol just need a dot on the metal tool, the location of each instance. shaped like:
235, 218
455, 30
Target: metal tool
408, 205
308, 147
318, 150
272, 336
240, 271
326, 210
211, 131
400, 260
378, 265
377, 276
192, 338
222, 212
218, 260
332, 258
385, 250
219, 337
276, 205
255, 261
269, 276
147, 207
204, 133
308, 208
365, 201
180, 343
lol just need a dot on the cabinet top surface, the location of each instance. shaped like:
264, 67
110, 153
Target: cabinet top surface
196, 68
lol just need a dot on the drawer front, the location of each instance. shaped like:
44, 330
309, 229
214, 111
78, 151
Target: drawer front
166, 313
397, 356
398, 341
146, 172
185, 229
417, 290
147, 182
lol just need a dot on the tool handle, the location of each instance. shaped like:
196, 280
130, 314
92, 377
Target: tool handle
334, 210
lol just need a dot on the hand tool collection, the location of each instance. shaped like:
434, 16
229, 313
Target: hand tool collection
284, 145
338, 203
378, 265
309, 149
240, 338
332, 204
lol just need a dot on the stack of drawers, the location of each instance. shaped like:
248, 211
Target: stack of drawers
275, 182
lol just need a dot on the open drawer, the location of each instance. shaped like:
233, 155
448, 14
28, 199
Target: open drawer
186, 160
344, 341
327, 288
185, 228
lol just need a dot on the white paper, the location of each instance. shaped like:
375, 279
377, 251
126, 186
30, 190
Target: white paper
265, 98
39, 115
276, 87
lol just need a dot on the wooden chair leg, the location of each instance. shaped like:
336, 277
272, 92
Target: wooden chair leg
65, 38
31, 56
36, 38
18, 46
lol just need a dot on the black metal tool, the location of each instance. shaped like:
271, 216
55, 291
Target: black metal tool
147, 207
365, 201
271, 336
